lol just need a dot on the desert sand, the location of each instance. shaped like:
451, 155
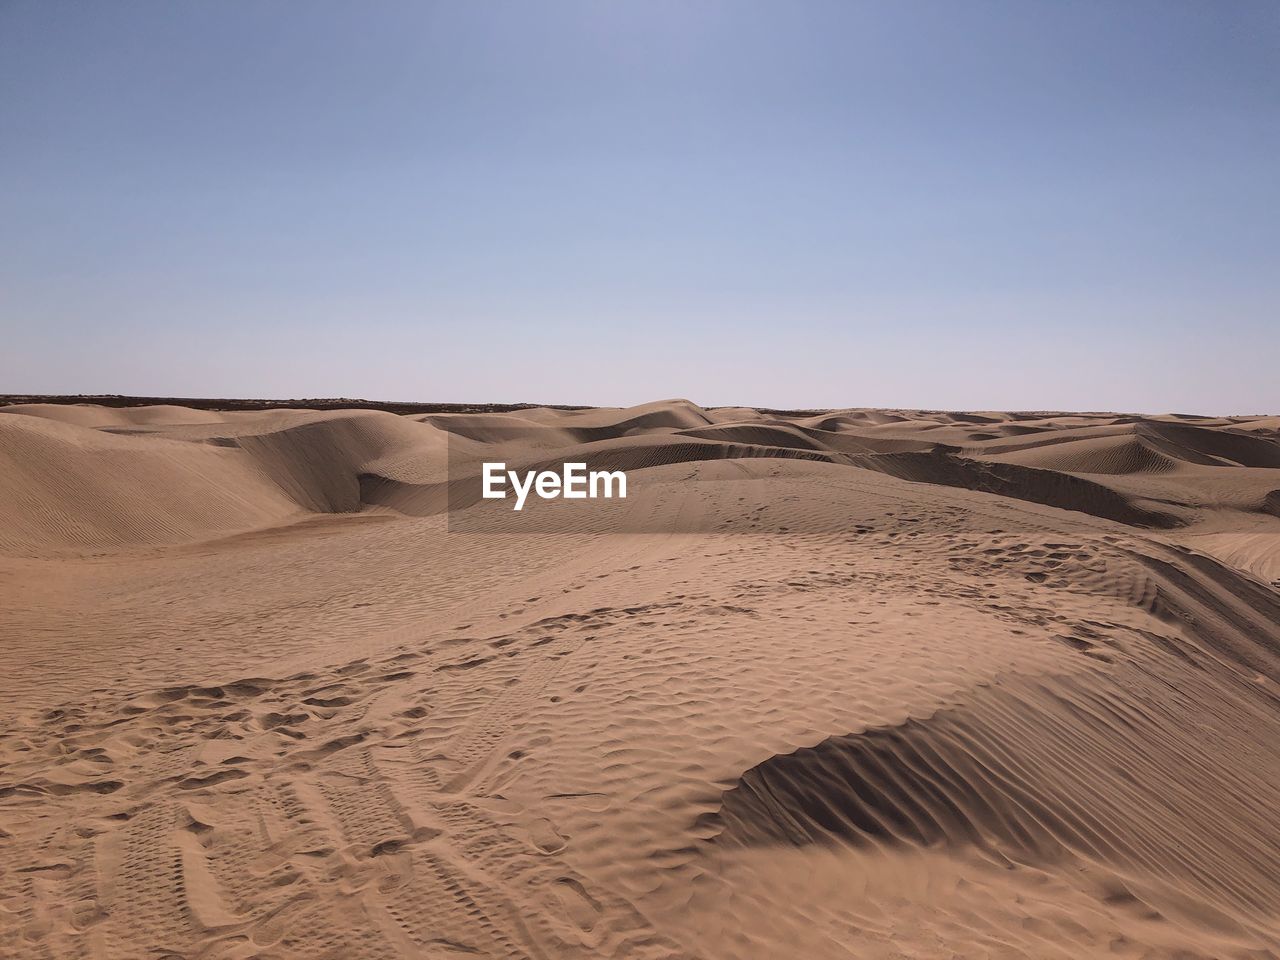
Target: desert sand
842, 684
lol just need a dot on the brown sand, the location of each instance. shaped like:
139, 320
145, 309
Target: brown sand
880, 684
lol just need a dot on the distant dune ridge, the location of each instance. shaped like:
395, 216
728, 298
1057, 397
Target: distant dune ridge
828, 684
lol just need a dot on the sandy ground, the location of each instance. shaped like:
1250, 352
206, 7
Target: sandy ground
867, 684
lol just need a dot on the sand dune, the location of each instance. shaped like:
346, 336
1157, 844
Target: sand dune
64, 487
837, 684
93, 415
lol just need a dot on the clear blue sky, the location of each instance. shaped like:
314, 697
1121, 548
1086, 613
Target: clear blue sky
942, 204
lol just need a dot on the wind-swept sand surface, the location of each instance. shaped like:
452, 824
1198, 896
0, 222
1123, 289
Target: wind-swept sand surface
856, 684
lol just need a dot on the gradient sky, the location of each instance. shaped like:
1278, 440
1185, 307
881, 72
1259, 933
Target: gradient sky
961, 205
